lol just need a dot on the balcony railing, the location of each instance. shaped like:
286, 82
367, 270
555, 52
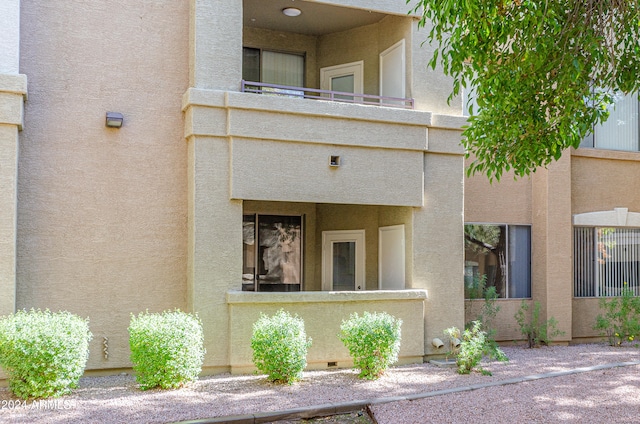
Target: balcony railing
317, 94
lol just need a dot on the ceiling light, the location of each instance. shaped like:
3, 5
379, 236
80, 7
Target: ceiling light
291, 11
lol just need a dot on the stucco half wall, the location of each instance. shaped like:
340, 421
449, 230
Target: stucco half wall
323, 313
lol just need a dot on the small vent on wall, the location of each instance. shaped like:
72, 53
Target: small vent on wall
332, 364
334, 160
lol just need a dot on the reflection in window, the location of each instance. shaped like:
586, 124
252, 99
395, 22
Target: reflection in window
272, 255
498, 256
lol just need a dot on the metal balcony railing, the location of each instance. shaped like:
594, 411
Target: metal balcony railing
317, 94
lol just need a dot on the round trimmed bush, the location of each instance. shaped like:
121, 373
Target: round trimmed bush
373, 341
167, 349
43, 353
280, 346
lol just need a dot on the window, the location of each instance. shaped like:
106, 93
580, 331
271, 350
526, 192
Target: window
621, 130
274, 68
605, 258
501, 254
271, 253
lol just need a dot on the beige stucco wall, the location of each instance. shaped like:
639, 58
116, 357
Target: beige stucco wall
323, 312
507, 201
215, 43
13, 92
438, 245
365, 175
585, 311
506, 327
551, 262
102, 212
601, 178
430, 88
8, 200
215, 243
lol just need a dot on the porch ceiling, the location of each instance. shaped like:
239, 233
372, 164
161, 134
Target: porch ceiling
316, 19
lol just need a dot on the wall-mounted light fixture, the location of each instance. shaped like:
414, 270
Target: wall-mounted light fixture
291, 11
114, 120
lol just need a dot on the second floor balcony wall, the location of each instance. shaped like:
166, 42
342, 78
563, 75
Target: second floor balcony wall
279, 141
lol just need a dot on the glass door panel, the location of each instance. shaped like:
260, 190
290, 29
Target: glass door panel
344, 265
343, 83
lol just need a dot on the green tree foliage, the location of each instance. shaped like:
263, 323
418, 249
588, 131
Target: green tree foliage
543, 72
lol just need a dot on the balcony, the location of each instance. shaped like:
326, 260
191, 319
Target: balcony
332, 52
327, 95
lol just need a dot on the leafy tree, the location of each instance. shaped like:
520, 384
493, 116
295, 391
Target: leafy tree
543, 72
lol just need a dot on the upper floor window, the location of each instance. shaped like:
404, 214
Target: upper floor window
273, 68
501, 254
621, 131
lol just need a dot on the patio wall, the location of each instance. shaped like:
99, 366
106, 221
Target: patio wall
323, 313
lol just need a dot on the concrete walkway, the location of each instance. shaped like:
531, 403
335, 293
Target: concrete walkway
346, 407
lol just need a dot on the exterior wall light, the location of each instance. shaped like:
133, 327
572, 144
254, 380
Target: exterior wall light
291, 11
114, 120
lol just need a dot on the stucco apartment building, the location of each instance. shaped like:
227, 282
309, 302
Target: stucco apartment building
271, 154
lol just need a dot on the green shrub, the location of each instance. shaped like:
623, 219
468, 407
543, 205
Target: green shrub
373, 341
489, 310
620, 321
167, 349
474, 345
43, 353
537, 332
280, 346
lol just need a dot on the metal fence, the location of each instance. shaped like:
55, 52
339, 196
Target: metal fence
317, 94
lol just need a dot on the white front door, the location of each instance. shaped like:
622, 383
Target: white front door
343, 260
345, 78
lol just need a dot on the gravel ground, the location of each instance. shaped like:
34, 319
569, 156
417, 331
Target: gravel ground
611, 395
